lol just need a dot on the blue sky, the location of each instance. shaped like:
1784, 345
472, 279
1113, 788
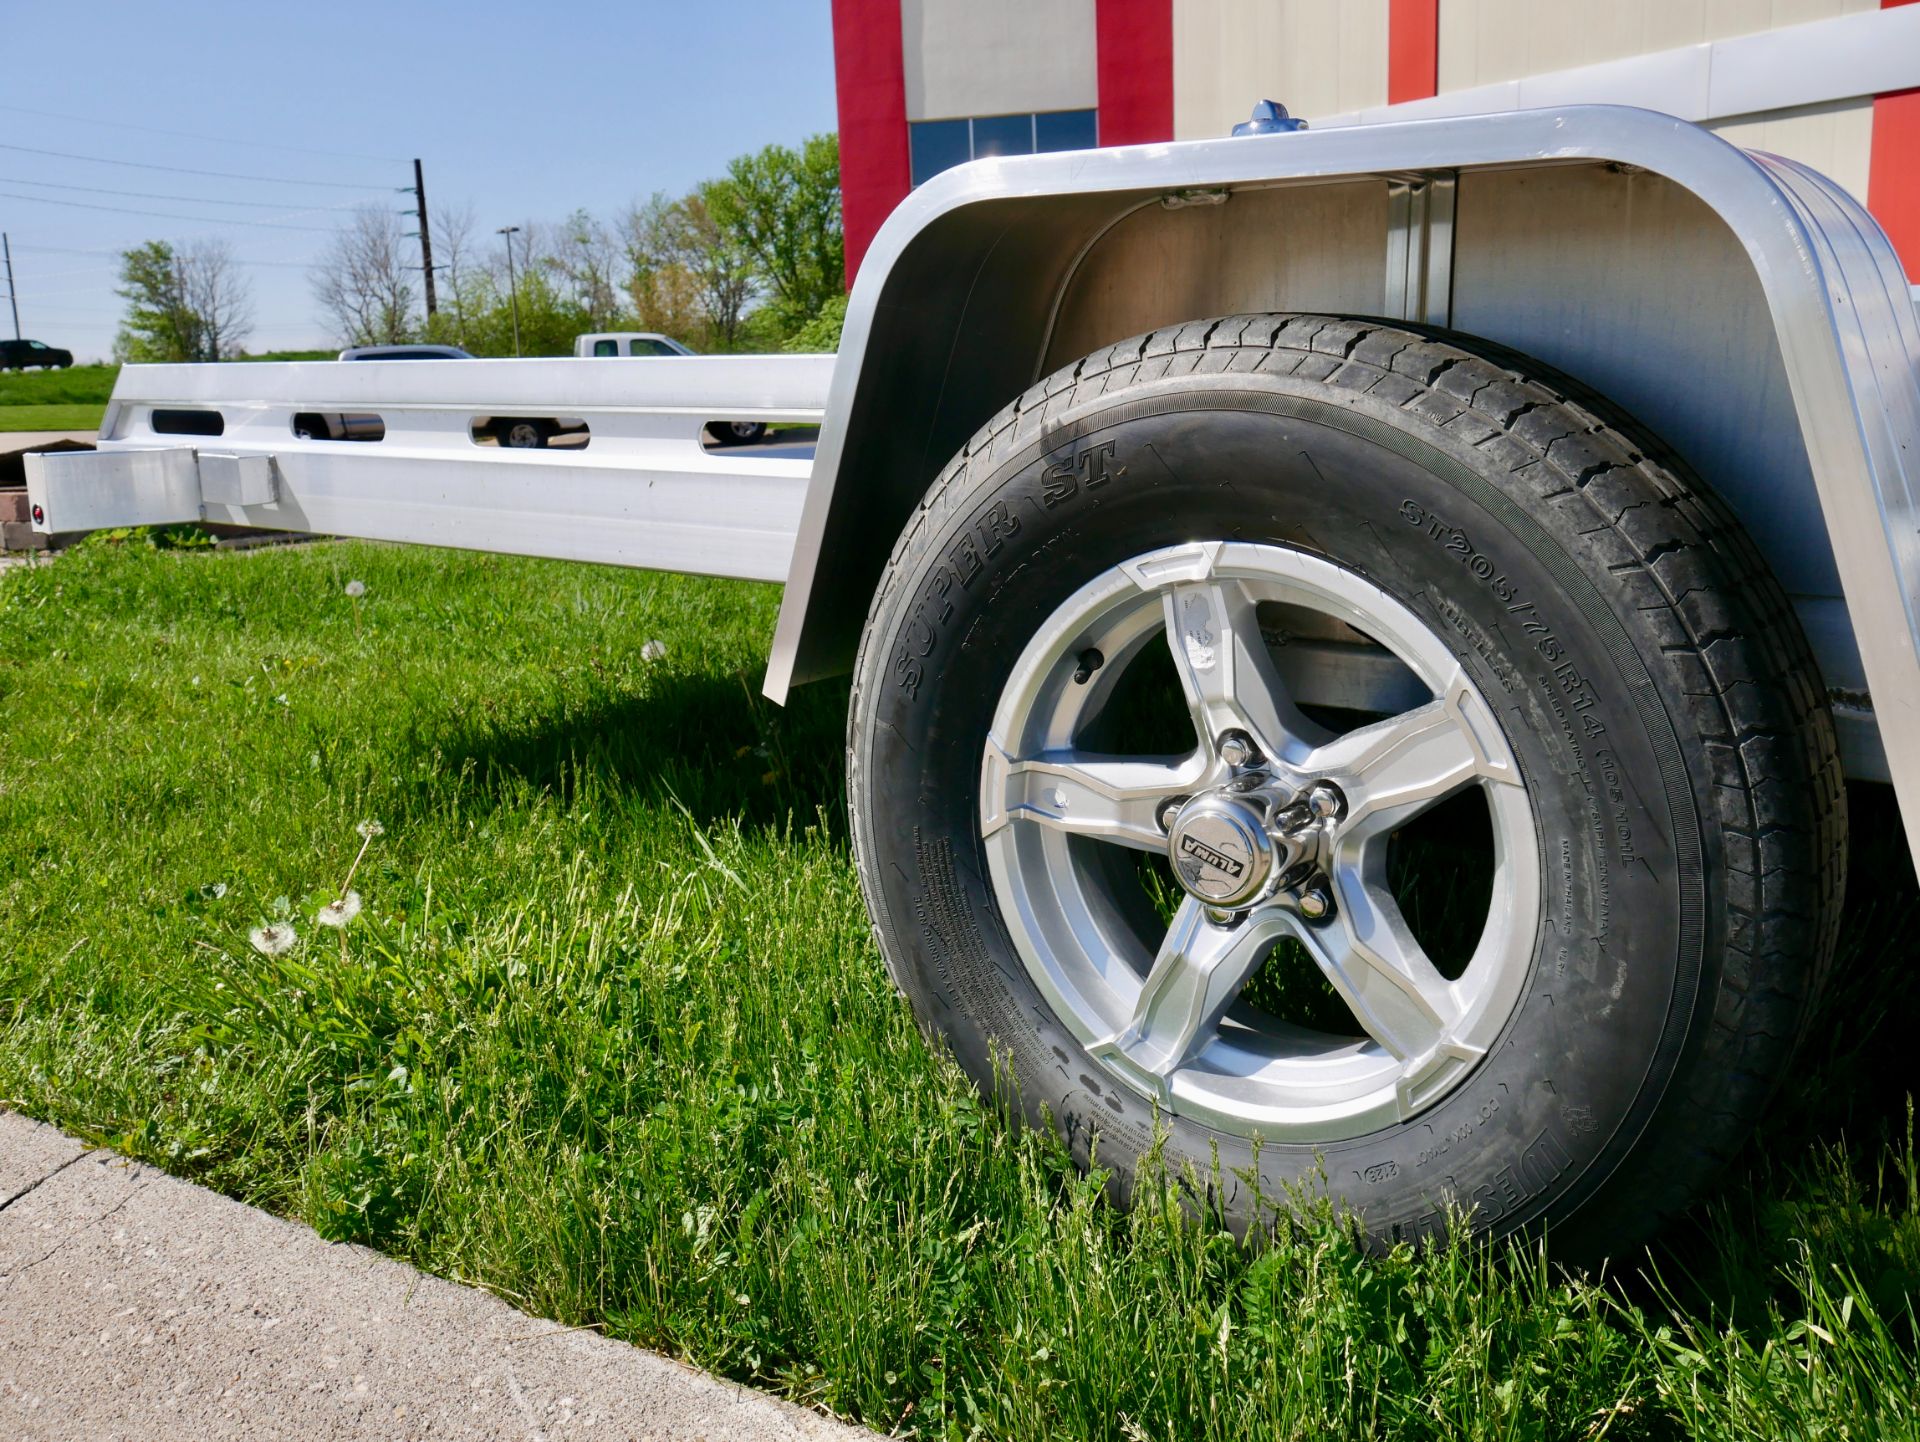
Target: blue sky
524, 112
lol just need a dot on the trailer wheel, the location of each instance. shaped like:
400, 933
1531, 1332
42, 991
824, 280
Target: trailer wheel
520, 434
1356, 758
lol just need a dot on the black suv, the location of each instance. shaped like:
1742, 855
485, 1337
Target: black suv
19, 354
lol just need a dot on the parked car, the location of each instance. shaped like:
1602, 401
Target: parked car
522, 433
605, 344
18, 355
405, 352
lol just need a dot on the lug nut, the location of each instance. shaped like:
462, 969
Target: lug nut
1236, 749
1315, 904
1324, 800
1169, 809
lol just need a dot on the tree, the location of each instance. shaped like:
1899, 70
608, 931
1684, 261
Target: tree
689, 277
364, 280
584, 259
721, 266
783, 208
453, 242
157, 326
218, 297
188, 304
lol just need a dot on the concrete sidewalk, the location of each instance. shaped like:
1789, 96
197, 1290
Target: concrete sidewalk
136, 1306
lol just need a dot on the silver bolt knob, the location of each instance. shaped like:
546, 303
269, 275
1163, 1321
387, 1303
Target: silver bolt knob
1324, 800
1315, 904
1169, 809
1236, 748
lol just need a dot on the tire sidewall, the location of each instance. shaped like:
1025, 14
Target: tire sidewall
1561, 1095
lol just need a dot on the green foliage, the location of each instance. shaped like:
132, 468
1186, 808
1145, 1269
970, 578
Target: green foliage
478, 314
611, 1037
785, 208
691, 278
185, 304
159, 324
744, 262
821, 335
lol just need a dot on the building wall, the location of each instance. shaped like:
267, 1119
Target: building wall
1483, 41
1836, 138
1316, 57
1190, 69
997, 57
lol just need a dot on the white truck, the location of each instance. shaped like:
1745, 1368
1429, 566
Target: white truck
1357, 636
647, 343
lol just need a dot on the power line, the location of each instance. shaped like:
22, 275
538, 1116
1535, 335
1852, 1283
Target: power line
117, 255
187, 170
155, 195
214, 139
165, 214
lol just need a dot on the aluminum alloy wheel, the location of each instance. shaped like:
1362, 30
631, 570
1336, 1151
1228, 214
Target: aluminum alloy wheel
1165, 1021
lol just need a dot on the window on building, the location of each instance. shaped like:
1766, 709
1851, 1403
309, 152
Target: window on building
937, 145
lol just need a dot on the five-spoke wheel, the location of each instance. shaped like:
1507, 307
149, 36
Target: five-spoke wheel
1273, 826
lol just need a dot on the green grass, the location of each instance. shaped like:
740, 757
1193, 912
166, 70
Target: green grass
73, 399
51, 418
74, 386
610, 1038
76, 398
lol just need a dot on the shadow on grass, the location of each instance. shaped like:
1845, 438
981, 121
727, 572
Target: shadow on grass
709, 741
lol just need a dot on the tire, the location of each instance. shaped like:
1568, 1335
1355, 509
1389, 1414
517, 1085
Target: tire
518, 434
736, 433
1587, 677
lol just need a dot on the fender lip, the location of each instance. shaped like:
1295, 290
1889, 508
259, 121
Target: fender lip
1838, 298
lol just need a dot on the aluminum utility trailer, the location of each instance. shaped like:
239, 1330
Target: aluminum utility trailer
1230, 539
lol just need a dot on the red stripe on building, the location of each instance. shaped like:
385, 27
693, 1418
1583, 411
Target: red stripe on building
1893, 169
1134, 40
1413, 50
870, 86
1893, 173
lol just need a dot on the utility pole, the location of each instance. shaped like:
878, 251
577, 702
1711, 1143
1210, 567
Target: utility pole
513, 288
426, 238
13, 296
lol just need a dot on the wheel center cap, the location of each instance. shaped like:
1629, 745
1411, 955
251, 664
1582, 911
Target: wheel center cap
1220, 850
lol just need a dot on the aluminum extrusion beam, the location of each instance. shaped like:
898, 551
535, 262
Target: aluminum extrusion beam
641, 491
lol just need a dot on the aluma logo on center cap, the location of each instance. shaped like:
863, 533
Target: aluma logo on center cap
1207, 856
1220, 852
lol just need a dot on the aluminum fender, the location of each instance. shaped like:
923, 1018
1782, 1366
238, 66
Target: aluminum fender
1834, 291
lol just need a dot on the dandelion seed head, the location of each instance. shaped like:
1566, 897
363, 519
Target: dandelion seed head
356, 589
369, 829
273, 939
338, 913
653, 651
